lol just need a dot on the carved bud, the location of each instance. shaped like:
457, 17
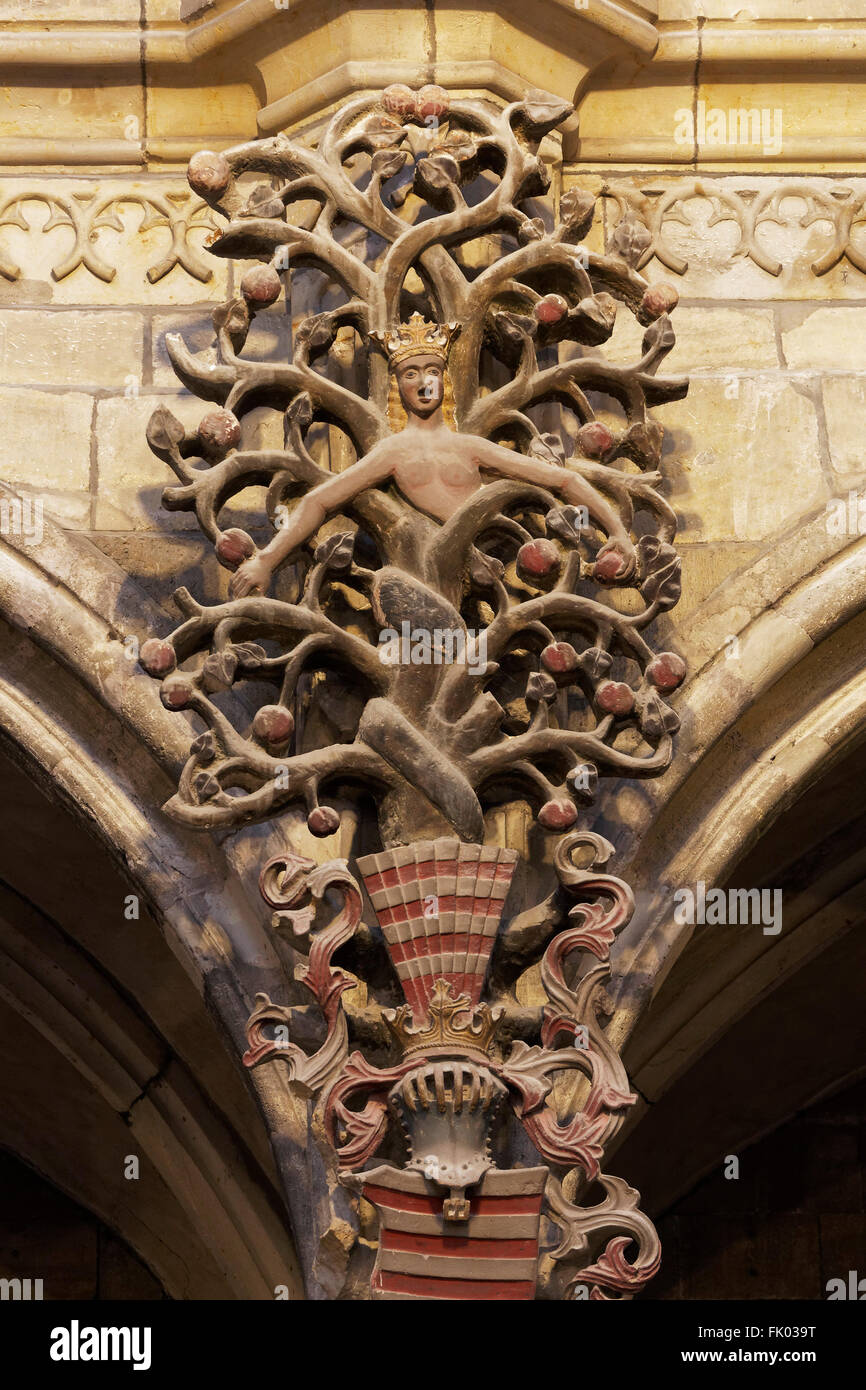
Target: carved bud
176, 692
538, 559
233, 547
559, 814
261, 286
594, 439
666, 671
274, 725
658, 300
322, 821
218, 432
551, 308
432, 101
559, 658
615, 697
399, 100
158, 658
209, 174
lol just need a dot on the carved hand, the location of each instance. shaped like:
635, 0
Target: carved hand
252, 577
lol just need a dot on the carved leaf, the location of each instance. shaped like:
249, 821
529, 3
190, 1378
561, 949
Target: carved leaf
576, 211
437, 173
234, 316
595, 662
164, 431
565, 523
219, 670
336, 552
204, 748
655, 717
381, 133
540, 686
206, 786
630, 240
484, 569
659, 335
250, 654
387, 163
661, 566
300, 412
533, 230
643, 442
262, 202
548, 447
539, 114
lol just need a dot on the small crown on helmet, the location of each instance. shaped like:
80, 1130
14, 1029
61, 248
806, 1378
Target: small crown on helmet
453, 1025
415, 337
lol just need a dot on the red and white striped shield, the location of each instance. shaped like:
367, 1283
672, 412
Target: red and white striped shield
493, 1256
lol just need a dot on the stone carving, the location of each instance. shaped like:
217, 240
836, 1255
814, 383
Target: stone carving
642, 217
462, 628
87, 212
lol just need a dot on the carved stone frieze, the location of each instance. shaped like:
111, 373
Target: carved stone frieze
86, 212
757, 219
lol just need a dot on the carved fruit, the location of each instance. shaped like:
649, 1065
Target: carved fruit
432, 101
658, 300
157, 658
233, 547
666, 671
209, 174
615, 697
559, 657
399, 100
594, 439
218, 432
322, 821
539, 558
176, 692
261, 286
609, 566
559, 814
274, 724
551, 308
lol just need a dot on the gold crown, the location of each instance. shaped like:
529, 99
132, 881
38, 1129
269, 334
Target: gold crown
454, 1024
415, 337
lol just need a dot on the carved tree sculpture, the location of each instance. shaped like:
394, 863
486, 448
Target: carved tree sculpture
504, 553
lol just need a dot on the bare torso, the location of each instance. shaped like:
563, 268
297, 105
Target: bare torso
436, 470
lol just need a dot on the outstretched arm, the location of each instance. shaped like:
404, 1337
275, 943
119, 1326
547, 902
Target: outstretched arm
326, 499
572, 487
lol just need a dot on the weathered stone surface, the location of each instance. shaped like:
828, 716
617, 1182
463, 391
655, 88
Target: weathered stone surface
705, 567
70, 349
95, 111
723, 442
46, 11
845, 412
828, 339
46, 450
708, 339
130, 479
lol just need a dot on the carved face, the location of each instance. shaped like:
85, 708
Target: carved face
421, 381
